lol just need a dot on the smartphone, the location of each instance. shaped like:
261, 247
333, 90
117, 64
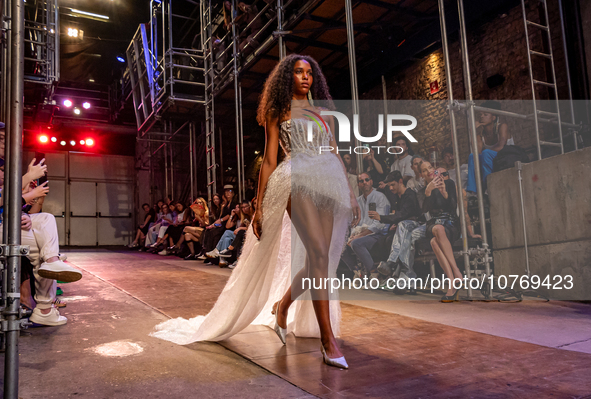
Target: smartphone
372, 206
38, 157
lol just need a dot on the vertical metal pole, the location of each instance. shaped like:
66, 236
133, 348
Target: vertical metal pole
242, 187
171, 165
165, 151
222, 169
472, 128
454, 136
236, 103
191, 166
519, 167
568, 81
280, 29
353, 70
12, 215
6, 57
170, 60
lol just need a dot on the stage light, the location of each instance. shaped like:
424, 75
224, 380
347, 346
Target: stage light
62, 142
86, 105
72, 142
67, 103
120, 59
53, 139
43, 139
82, 142
89, 142
77, 111
90, 14
72, 32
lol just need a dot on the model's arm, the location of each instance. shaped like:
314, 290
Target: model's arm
268, 166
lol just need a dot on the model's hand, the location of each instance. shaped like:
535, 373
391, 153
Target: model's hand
26, 223
374, 215
256, 224
382, 185
37, 171
356, 212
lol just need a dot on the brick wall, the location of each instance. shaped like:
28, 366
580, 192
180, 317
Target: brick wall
495, 47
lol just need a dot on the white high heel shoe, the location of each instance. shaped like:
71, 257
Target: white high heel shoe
338, 362
281, 332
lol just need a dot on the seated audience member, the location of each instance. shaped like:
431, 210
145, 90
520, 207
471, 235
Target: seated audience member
231, 225
166, 220
450, 164
349, 163
193, 233
39, 232
152, 234
417, 183
368, 232
491, 138
443, 227
142, 230
214, 231
403, 162
231, 242
175, 230
252, 25
446, 175
404, 218
373, 167
216, 208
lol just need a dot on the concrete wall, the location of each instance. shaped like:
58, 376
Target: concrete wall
557, 198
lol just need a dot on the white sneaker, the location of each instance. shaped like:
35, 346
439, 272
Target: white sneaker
62, 257
53, 318
233, 265
223, 263
59, 270
201, 257
226, 253
213, 254
164, 252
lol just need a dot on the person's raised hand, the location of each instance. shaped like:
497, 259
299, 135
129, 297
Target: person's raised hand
26, 222
374, 215
37, 171
41, 190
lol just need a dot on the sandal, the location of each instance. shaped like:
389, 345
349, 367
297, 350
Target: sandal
59, 304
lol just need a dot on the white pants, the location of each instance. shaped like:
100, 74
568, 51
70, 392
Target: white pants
43, 241
152, 234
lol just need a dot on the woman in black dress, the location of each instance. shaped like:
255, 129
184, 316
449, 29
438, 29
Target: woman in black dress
441, 202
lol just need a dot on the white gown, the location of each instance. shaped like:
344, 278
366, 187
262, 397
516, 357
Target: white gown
265, 268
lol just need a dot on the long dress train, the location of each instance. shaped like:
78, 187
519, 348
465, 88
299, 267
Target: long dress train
264, 270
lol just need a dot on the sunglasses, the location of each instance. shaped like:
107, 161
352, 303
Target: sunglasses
364, 180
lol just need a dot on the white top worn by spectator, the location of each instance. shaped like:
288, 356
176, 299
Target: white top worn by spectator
382, 208
463, 174
404, 166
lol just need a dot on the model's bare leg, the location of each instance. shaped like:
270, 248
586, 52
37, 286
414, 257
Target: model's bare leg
315, 230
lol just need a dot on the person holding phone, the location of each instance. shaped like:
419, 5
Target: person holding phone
443, 228
369, 231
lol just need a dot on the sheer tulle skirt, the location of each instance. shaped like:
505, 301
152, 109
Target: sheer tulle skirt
265, 268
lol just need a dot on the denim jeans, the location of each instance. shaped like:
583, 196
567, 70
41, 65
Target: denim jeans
403, 247
360, 248
226, 240
486, 168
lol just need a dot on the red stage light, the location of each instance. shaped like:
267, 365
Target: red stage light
86, 105
43, 139
67, 103
72, 143
89, 142
53, 139
82, 142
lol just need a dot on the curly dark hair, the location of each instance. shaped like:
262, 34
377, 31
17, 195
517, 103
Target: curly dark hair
278, 92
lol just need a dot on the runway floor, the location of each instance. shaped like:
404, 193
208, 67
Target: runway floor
407, 348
